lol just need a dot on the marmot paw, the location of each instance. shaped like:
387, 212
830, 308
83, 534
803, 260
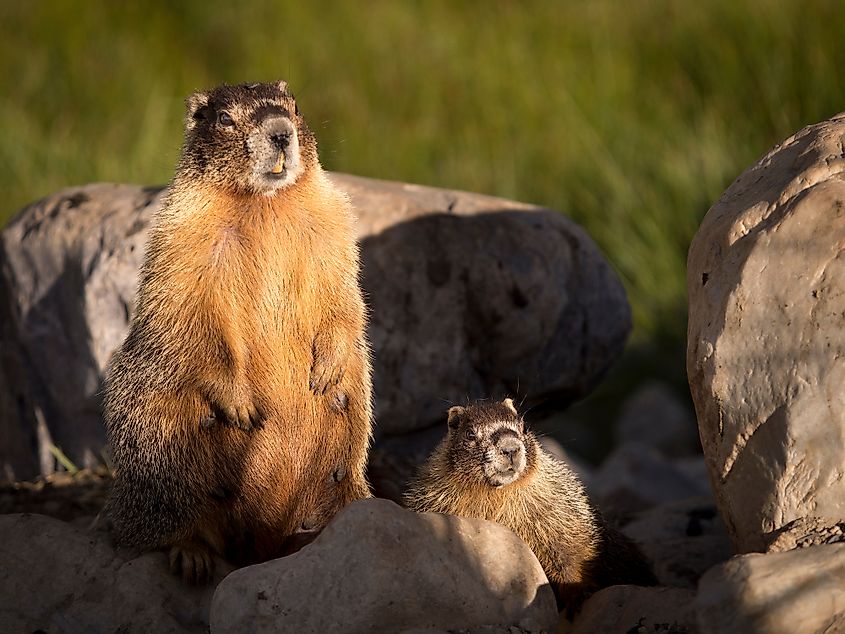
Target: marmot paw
246, 416
324, 374
192, 562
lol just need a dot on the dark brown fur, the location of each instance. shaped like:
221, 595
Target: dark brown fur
238, 408
490, 467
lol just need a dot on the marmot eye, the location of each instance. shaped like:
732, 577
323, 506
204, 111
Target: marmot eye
225, 119
470, 435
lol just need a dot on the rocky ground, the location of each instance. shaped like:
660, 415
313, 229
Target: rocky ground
471, 297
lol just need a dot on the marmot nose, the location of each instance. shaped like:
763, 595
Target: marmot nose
509, 450
280, 140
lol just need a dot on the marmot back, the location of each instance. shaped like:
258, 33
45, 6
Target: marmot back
490, 467
238, 408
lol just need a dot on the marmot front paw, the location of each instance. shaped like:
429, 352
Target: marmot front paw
246, 415
327, 367
192, 562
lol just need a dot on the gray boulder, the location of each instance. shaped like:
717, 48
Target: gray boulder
379, 568
57, 578
470, 297
766, 286
796, 592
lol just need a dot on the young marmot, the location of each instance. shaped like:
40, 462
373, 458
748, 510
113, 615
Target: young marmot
490, 467
238, 408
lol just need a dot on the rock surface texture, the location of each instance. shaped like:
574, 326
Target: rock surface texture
633, 609
766, 339
470, 297
796, 592
377, 567
681, 539
57, 578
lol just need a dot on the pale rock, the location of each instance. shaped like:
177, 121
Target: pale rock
470, 297
796, 592
379, 568
805, 532
766, 337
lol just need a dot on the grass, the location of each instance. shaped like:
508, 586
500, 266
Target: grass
631, 118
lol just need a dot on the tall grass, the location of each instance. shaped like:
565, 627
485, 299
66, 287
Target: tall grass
631, 117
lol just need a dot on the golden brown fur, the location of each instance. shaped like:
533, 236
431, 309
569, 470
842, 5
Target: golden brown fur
238, 408
490, 467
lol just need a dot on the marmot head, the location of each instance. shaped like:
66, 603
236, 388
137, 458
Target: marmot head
249, 138
487, 442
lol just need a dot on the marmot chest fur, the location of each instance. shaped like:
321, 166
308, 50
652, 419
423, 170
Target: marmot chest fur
238, 408
490, 467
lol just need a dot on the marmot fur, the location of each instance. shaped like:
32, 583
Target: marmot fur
490, 467
238, 408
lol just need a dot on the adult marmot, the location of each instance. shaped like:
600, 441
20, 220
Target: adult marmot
239, 407
490, 467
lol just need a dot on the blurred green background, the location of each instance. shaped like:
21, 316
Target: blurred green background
630, 117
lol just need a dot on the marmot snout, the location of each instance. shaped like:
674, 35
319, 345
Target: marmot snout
254, 133
493, 446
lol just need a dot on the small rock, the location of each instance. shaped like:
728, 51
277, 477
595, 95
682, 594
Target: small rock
635, 477
796, 592
654, 416
681, 539
805, 532
379, 568
634, 609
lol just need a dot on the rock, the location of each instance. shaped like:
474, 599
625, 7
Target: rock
805, 532
470, 297
766, 286
635, 477
69, 269
377, 567
654, 416
57, 578
796, 592
634, 609
681, 539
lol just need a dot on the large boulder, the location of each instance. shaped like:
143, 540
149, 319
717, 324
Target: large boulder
470, 297
766, 345
379, 568
796, 592
57, 578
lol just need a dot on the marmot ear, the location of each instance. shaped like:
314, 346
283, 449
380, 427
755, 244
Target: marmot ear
508, 402
283, 86
195, 103
455, 416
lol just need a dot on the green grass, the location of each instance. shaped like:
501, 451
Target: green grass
631, 117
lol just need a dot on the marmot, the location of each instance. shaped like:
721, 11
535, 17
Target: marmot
490, 467
238, 408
